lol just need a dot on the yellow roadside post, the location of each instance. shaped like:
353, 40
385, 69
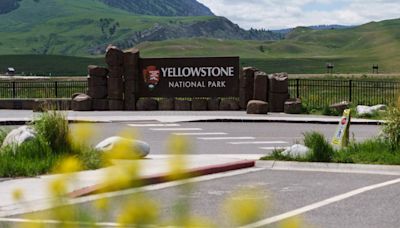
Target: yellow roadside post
342, 134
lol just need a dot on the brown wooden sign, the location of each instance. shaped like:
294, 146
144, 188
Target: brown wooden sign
189, 77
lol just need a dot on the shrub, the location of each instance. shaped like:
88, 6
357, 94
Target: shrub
391, 128
53, 127
322, 151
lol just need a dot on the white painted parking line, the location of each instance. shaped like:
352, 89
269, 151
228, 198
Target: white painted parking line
176, 129
154, 125
323, 203
274, 148
201, 133
257, 142
226, 138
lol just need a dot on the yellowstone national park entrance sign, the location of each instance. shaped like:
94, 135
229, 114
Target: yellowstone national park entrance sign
189, 77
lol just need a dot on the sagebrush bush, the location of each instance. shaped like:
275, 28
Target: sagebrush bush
391, 127
322, 151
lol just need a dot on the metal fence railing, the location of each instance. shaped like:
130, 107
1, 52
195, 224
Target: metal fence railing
318, 93
41, 89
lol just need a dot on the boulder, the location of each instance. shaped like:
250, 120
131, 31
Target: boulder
82, 102
18, 136
132, 149
166, 104
340, 107
296, 150
130, 104
199, 104
279, 83
147, 104
257, 107
183, 105
363, 110
293, 106
114, 56
96, 71
229, 105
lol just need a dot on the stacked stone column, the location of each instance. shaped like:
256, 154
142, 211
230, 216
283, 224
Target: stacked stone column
115, 81
97, 87
278, 91
131, 75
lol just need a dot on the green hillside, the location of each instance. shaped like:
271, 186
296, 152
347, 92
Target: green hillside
303, 51
86, 27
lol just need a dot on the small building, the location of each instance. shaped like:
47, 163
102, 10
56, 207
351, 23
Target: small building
10, 71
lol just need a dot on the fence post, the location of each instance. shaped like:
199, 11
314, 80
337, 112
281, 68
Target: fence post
14, 92
297, 88
350, 90
56, 88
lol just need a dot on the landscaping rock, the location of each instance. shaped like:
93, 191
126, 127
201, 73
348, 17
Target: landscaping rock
18, 136
133, 149
279, 83
114, 56
183, 105
97, 71
147, 104
199, 104
115, 105
213, 104
100, 104
340, 107
229, 105
166, 104
82, 102
296, 151
293, 106
260, 86
257, 107
363, 110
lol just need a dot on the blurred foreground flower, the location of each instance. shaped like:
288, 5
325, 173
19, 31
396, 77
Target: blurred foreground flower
139, 211
178, 148
245, 206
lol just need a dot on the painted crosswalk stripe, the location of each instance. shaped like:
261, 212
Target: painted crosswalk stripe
273, 148
257, 142
176, 129
154, 125
200, 133
226, 138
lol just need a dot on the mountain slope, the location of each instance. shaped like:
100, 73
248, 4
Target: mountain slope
86, 27
162, 7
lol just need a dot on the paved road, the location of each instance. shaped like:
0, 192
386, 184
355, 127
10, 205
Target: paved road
283, 192
226, 138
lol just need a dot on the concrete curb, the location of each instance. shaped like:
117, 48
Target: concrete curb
330, 167
310, 121
164, 177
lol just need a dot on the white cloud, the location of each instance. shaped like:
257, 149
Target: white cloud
276, 14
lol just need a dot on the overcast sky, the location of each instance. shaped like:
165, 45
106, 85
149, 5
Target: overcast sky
277, 14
